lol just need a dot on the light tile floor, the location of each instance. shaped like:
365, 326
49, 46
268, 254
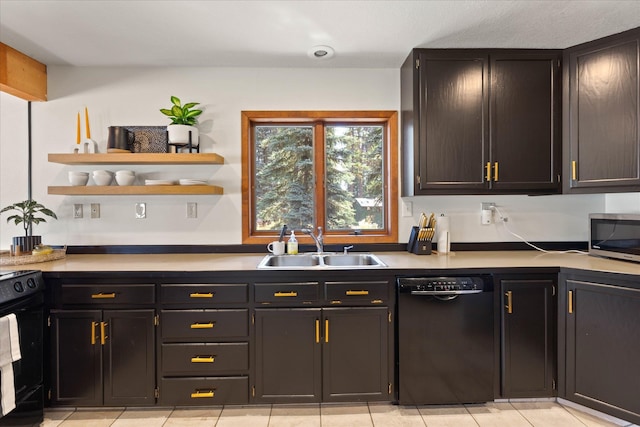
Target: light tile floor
494, 414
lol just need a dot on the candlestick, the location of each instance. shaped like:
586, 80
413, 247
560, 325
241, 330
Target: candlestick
86, 119
78, 130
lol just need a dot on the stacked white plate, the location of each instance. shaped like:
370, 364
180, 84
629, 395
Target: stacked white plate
158, 182
192, 182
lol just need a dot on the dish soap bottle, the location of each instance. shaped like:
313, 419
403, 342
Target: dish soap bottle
292, 244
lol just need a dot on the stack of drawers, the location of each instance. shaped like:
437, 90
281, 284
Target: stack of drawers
204, 344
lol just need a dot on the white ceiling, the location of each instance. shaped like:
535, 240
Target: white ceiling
261, 33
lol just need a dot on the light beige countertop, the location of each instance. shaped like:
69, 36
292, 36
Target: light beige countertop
394, 260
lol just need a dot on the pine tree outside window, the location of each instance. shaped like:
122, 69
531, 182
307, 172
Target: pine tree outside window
336, 170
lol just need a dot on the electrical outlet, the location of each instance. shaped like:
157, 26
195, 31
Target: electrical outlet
486, 215
95, 210
192, 210
407, 208
77, 210
141, 210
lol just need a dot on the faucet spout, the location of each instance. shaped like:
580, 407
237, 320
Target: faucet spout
319, 239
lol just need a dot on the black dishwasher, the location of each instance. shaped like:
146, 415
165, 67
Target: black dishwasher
445, 330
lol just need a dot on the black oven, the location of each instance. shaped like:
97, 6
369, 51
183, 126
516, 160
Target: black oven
21, 293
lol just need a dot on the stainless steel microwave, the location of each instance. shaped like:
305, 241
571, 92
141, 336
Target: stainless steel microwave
615, 236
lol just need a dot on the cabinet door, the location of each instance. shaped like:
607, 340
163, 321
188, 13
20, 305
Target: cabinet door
528, 338
604, 111
129, 369
288, 355
525, 121
603, 348
76, 358
453, 131
355, 354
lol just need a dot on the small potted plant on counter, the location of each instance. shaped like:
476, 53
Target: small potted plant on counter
183, 120
27, 215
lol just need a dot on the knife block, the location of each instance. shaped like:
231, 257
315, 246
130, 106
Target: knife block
418, 247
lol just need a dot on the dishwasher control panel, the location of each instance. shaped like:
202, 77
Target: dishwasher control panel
445, 284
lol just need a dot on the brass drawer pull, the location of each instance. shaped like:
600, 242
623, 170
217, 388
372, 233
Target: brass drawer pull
495, 171
203, 359
488, 171
570, 298
93, 332
203, 325
574, 171
376, 301
351, 293
509, 305
103, 335
317, 330
326, 330
200, 394
286, 294
201, 295
102, 295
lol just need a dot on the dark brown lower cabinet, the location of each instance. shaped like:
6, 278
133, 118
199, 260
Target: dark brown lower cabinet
603, 346
103, 357
528, 336
314, 354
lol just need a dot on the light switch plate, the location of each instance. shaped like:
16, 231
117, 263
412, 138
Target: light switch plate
95, 210
407, 208
77, 210
141, 210
192, 210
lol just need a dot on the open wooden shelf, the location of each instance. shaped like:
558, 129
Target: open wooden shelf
137, 158
109, 190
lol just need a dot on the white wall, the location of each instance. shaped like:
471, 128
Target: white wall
132, 96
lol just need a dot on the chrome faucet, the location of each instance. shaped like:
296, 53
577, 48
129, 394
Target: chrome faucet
318, 239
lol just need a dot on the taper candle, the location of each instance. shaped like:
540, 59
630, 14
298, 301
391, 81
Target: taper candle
86, 119
78, 130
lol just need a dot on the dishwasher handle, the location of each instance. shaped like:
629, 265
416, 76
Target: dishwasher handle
448, 293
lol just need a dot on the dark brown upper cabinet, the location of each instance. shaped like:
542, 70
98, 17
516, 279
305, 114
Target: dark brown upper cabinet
602, 115
481, 121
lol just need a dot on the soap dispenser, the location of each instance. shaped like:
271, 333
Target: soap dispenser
292, 244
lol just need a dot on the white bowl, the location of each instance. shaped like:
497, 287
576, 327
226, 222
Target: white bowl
102, 179
102, 172
124, 179
77, 179
125, 172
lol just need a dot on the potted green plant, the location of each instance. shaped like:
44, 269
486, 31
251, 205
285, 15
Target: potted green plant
28, 215
183, 120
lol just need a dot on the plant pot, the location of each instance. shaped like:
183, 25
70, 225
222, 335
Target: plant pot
27, 243
179, 134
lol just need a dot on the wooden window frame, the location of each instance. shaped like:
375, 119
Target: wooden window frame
388, 234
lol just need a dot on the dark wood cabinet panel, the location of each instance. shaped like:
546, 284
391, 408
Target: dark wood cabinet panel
204, 359
129, 371
602, 347
204, 325
204, 391
76, 358
478, 121
288, 355
528, 337
604, 114
355, 354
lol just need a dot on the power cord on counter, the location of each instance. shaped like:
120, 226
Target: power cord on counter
504, 219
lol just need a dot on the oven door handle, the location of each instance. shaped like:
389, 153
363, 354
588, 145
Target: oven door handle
447, 293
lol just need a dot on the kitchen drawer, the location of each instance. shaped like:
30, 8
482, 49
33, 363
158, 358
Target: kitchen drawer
199, 325
287, 293
205, 359
345, 292
204, 294
108, 294
204, 391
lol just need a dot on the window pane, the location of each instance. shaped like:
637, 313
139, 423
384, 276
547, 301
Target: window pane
283, 177
354, 177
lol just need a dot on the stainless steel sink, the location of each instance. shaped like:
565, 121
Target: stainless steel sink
321, 261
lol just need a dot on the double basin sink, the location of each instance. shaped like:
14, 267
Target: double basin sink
315, 261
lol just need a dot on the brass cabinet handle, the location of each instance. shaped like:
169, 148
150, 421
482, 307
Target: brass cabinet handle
103, 335
509, 305
357, 292
93, 332
203, 325
495, 171
203, 359
201, 295
326, 330
317, 330
376, 301
102, 295
286, 294
200, 394
488, 171
570, 297
574, 172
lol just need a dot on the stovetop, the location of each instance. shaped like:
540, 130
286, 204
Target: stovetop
16, 284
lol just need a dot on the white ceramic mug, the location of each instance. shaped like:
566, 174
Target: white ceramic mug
276, 248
